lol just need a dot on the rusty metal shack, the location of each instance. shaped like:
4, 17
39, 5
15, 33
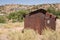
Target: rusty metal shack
40, 19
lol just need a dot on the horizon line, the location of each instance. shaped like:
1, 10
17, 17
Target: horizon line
29, 4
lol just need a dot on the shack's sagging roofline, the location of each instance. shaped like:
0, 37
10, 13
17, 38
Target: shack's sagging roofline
37, 11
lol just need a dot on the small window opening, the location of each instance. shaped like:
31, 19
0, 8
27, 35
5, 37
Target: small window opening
50, 16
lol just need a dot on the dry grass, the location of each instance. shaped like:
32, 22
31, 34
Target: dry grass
28, 34
11, 25
18, 35
49, 34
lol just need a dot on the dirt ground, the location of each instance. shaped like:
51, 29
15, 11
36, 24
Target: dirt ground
58, 24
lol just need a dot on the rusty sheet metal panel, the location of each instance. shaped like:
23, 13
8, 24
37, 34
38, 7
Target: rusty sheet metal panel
35, 22
50, 21
26, 21
42, 22
53, 22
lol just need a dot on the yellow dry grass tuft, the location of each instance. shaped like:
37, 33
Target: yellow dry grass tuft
49, 34
18, 35
11, 25
30, 34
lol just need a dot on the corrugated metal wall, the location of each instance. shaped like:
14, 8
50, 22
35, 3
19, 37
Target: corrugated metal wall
39, 21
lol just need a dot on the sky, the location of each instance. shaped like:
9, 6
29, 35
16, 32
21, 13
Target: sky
28, 2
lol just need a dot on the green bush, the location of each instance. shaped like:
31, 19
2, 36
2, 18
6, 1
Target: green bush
53, 11
2, 19
17, 16
12, 16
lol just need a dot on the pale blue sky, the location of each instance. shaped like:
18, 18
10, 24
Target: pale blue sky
28, 2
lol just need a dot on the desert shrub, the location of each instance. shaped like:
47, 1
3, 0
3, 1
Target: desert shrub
53, 11
2, 19
17, 16
21, 14
12, 16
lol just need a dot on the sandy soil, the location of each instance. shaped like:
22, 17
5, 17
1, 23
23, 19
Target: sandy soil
58, 24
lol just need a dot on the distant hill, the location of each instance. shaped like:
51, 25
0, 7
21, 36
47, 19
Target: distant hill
8, 8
